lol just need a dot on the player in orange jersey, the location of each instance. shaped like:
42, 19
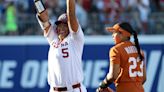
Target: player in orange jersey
127, 65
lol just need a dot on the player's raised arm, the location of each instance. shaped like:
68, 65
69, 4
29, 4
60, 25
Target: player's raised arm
72, 20
42, 15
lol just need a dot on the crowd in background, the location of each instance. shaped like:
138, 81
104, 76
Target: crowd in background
147, 16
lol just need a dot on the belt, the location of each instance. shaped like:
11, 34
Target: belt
65, 88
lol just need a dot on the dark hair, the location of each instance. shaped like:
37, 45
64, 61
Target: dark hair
137, 44
126, 26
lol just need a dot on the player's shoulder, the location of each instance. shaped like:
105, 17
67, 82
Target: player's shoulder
124, 44
79, 29
120, 46
113, 50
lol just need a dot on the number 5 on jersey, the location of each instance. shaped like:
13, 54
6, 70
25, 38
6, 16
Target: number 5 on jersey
65, 53
133, 71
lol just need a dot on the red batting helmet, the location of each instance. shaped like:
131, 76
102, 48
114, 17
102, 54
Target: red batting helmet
62, 19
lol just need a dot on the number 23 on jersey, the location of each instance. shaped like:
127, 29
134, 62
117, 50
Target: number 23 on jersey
135, 67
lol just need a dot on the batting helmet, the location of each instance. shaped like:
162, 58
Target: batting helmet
62, 19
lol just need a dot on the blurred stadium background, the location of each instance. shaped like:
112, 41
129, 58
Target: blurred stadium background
23, 49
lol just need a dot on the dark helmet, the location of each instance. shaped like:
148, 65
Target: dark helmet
62, 19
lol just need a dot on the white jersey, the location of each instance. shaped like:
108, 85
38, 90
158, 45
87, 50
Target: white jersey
65, 58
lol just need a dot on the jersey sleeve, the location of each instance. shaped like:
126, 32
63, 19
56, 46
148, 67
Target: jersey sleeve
114, 56
51, 34
79, 35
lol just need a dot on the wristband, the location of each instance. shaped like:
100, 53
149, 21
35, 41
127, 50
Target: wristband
39, 6
103, 85
107, 81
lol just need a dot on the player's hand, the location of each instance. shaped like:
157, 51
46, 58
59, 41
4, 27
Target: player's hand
99, 89
44, 16
108, 89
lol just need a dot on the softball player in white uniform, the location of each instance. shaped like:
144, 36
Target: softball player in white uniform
66, 40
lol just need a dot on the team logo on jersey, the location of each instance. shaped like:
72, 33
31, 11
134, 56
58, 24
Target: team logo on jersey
57, 44
64, 44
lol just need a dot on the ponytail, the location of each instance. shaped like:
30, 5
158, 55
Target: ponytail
137, 44
127, 27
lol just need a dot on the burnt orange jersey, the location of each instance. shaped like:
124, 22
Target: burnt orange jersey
131, 74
